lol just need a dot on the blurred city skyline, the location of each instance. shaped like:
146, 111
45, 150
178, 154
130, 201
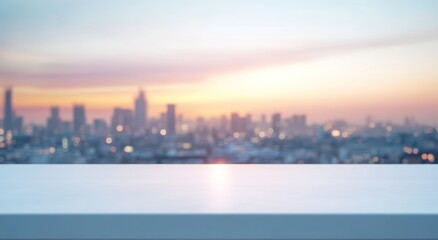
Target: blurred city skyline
40, 116
326, 59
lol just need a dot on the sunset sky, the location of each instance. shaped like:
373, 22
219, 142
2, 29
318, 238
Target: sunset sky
327, 59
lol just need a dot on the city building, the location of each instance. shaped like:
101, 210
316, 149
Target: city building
141, 110
8, 121
79, 120
239, 124
297, 124
276, 123
171, 119
54, 122
100, 128
122, 121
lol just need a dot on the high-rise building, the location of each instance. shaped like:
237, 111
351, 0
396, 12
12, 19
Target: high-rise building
276, 123
235, 123
162, 121
140, 112
66, 127
79, 120
122, 121
18, 125
54, 122
248, 122
239, 124
100, 128
223, 124
8, 122
171, 119
298, 124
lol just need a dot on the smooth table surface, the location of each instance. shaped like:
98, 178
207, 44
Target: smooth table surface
222, 189
218, 202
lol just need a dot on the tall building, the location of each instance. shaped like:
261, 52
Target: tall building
239, 124
298, 124
248, 122
18, 125
54, 122
223, 124
140, 113
79, 120
66, 127
162, 121
276, 123
171, 119
100, 128
8, 122
122, 121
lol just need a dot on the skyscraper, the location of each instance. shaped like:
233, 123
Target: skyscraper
140, 112
223, 124
297, 124
171, 119
100, 127
8, 122
122, 121
54, 122
79, 120
276, 123
235, 123
239, 124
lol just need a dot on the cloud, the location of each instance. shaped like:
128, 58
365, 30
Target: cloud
45, 72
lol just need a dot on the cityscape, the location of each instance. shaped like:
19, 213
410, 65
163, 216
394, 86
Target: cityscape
132, 137
221, 82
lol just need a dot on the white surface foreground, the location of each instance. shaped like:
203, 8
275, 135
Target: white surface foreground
222, 189
218, 202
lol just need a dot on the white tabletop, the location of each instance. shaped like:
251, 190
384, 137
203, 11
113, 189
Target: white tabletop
220, 189
218, 202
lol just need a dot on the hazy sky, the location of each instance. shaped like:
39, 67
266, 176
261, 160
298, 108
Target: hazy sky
328, 59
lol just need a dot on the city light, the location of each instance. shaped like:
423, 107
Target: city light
424, 156
119, 128
64, 143
52, 150
236, 135
408, 150
108, 140
345, 134
128, 149
415, 151
282, 136
163, 132
336, 133
430, 158
388, 128
186, 146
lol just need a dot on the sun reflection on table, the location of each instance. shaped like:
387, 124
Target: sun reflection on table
219, 186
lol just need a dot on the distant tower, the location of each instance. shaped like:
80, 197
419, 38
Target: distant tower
100, 128
235, 123
171, 119
54, 122
79, 120
140, 112
122, 121
276, 123
8, 122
